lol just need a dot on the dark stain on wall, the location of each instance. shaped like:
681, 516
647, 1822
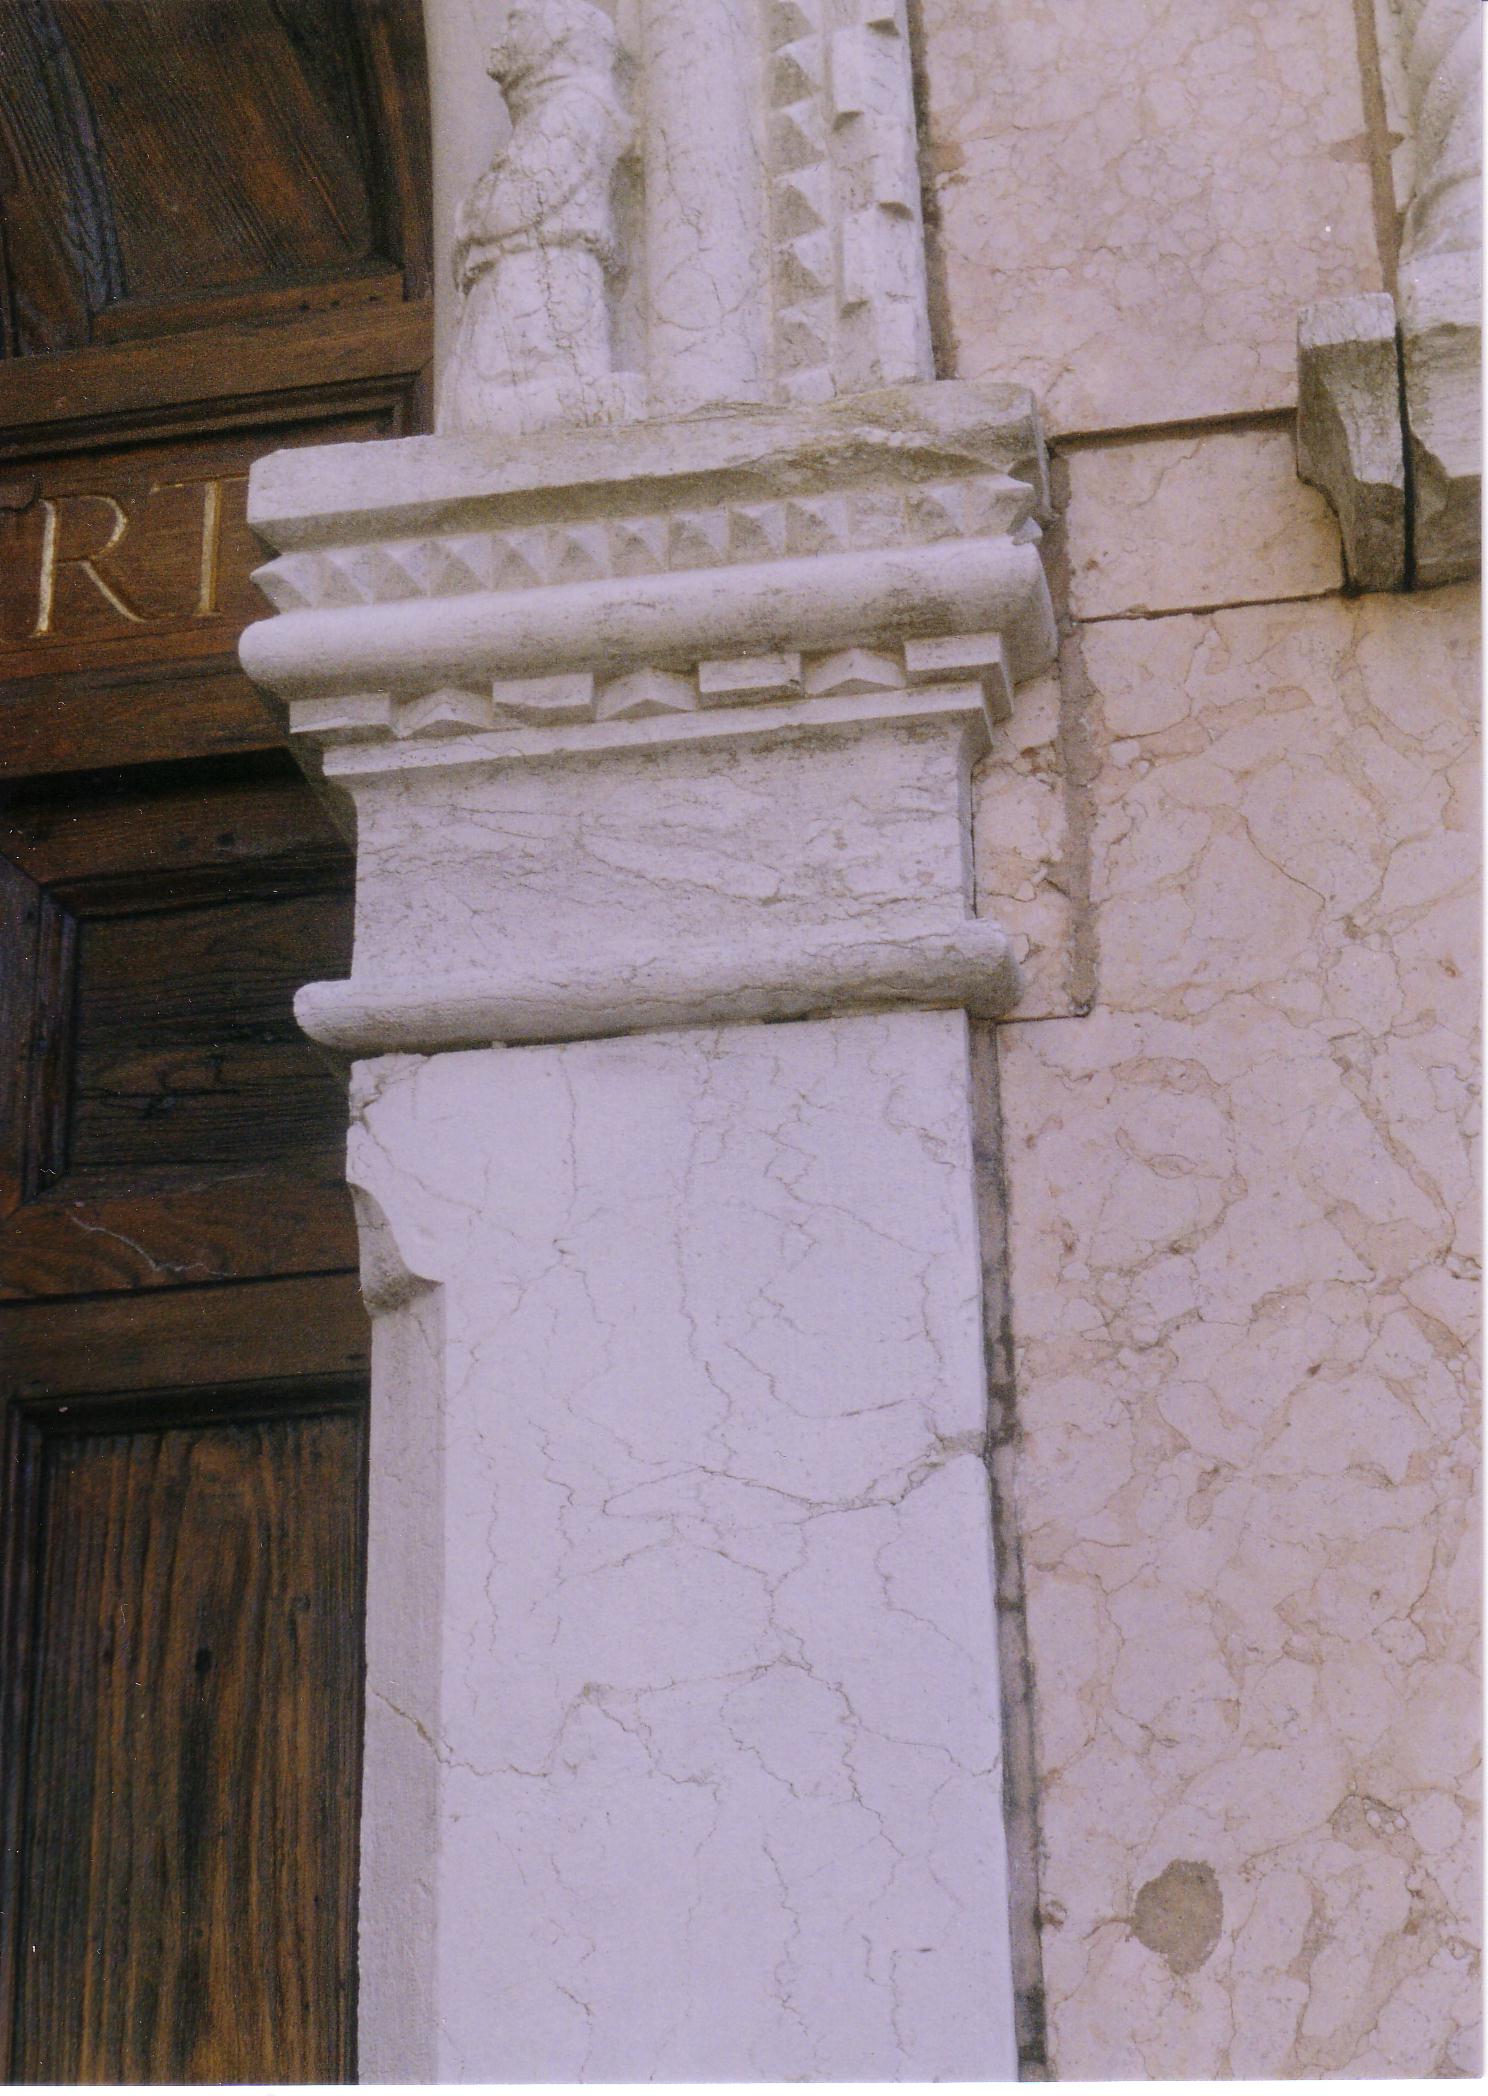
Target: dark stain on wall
1179, 1914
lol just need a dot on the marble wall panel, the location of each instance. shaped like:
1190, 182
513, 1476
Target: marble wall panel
1182, 523
1135, 197
1243, 1244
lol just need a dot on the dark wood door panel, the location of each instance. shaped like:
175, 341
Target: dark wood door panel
186, 1824
176, 827
170, 150
362, 356
65, 723
166, 1123
214, 219
37, 968
259, 103
178, 1338
177, 1228
187, 1049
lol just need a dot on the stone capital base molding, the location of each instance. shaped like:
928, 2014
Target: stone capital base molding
683, 1757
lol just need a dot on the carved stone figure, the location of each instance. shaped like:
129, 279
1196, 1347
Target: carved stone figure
535, 238
1442, 52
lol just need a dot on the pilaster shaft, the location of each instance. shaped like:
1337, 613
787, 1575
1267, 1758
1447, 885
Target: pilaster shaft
706, 1720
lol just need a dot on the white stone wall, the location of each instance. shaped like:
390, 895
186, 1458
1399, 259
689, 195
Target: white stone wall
1237, 836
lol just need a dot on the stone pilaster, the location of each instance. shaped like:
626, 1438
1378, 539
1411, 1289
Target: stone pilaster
683, 1754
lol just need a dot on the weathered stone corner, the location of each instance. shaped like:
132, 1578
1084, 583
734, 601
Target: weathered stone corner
1389, 425
1350, 444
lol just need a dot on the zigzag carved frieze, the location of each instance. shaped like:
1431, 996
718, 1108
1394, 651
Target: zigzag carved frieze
810, 689
845, 198
731, 535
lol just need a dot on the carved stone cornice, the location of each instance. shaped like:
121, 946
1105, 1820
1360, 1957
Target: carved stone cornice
439, 589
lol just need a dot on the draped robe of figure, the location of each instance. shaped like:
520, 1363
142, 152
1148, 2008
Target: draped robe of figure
535, 238
1443, 57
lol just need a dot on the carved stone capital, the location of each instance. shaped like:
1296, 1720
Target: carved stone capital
665, 729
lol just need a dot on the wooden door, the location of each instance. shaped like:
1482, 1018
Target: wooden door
213, 244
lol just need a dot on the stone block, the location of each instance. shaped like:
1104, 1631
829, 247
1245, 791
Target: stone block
682, 1658
1350, 444
749, 677
1175, 523
1135, 200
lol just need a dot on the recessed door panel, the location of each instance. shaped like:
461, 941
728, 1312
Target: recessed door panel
192, 1683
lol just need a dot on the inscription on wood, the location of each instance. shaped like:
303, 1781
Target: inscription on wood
125, 580
82, 538
126, 556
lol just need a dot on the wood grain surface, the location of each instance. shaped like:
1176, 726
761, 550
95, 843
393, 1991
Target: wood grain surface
161, 151
307, 1325
214, 243
193, 1761
187, 1047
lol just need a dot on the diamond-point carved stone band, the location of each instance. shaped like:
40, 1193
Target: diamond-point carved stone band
831, 601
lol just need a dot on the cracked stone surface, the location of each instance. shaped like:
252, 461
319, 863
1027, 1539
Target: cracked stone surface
684, 1656
1243, 1246
481, 867
1135, 197
1179, 524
